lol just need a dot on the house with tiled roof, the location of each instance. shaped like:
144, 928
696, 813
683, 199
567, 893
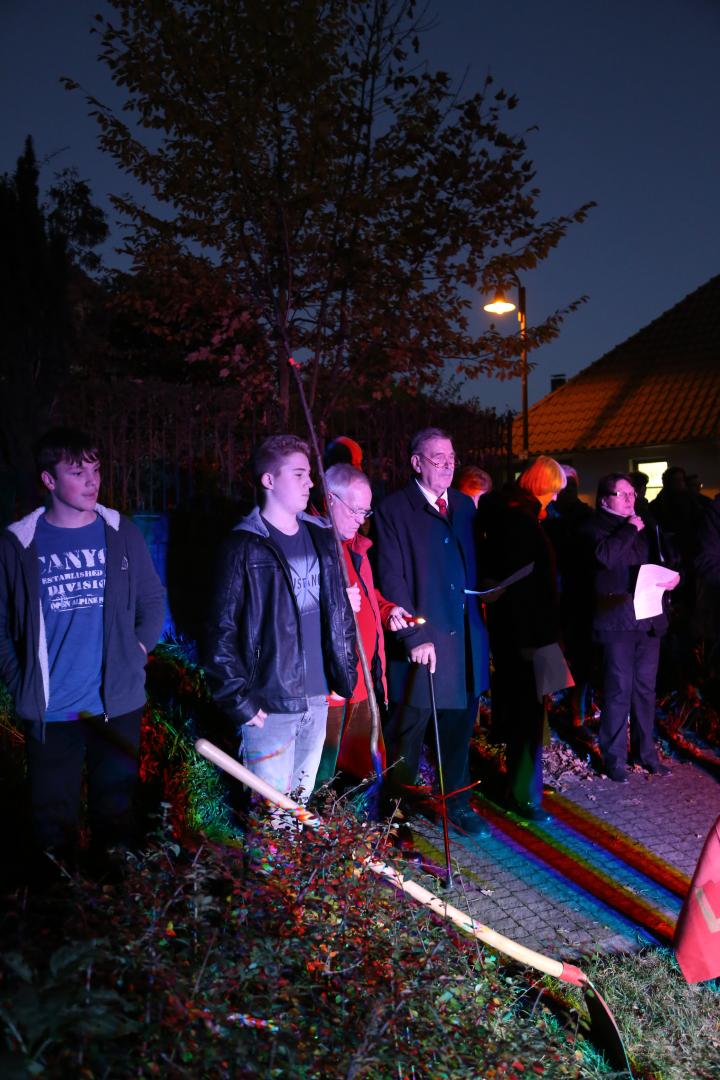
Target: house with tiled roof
652, 401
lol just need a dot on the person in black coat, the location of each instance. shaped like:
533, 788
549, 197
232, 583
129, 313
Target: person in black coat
523, 619
707, 570
565, 519
426, 560
680, 515
621, 542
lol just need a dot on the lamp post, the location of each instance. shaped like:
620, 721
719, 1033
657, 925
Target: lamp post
500, 306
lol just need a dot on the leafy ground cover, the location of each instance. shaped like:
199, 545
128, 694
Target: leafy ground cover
272, 957
218, 953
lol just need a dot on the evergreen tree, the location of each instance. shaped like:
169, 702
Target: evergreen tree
40, 312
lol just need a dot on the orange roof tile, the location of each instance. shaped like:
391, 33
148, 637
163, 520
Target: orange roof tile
660, 386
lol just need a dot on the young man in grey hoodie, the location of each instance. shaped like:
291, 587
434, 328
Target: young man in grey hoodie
80, 607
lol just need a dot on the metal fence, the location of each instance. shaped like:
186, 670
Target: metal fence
166, 445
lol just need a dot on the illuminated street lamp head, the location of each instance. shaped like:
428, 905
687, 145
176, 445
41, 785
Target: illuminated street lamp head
500, 305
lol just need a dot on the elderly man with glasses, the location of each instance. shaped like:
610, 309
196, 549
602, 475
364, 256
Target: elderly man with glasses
621, 541
347, 739
426, 561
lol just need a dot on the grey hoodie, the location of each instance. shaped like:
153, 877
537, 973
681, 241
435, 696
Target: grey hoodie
133, 613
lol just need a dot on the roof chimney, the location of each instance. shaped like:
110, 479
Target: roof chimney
556, 381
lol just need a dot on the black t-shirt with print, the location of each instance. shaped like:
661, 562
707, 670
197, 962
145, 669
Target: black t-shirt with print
301, 557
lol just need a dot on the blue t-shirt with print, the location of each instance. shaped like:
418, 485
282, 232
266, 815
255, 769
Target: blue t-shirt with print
72, 593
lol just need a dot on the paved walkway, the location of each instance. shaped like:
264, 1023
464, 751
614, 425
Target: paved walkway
607, 873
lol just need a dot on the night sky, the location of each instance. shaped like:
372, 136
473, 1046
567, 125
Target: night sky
624, 97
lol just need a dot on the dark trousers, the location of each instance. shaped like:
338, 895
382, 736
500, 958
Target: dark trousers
55, 759
404, 735
518, 721
630, 663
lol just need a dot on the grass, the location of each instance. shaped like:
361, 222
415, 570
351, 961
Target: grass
672, 1029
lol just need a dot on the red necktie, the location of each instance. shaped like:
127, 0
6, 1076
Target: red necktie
442, 506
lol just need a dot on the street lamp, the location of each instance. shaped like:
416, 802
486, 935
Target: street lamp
501, 306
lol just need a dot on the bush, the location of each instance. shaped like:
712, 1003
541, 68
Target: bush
279, 956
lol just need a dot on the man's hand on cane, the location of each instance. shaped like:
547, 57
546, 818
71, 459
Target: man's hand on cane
424, 654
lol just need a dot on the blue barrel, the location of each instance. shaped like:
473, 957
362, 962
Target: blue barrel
156, 531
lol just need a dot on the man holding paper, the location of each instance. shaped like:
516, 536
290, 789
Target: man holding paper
622, 544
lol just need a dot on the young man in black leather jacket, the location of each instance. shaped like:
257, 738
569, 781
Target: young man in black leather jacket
281, 634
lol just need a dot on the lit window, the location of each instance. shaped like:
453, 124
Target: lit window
654, 470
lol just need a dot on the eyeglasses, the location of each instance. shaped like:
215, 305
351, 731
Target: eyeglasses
357, 512
451, 462
622, 494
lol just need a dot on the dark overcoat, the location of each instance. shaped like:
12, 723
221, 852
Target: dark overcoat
706, 619
425, 562
526, 616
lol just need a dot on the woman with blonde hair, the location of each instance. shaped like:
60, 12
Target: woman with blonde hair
522, 620
543, 479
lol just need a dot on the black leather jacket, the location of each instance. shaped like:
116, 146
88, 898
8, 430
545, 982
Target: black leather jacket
253, 651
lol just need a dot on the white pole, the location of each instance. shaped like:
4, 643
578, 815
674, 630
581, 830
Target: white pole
565, 972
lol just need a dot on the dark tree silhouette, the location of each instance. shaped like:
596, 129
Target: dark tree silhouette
40, 310
336, 192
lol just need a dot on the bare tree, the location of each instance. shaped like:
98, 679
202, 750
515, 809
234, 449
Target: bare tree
344, 194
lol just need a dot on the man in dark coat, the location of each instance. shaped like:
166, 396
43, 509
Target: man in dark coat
680, 516
707, 569
426, 560
621, 542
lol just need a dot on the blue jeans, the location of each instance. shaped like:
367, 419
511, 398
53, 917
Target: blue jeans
286, 750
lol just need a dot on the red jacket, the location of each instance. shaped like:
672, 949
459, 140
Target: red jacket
373, 617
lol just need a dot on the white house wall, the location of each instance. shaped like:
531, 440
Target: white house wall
703, 459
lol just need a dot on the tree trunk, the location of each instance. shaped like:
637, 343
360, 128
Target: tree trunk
284, 388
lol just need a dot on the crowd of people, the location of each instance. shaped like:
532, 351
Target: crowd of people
453, 588
459, 589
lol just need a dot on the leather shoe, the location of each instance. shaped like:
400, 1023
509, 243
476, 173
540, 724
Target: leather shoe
528, 811
656, 768
617, 773
469, 823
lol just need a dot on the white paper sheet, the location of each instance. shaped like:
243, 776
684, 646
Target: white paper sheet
523, 572
652, 582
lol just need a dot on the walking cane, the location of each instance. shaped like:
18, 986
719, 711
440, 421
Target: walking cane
441, 781
362, 655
